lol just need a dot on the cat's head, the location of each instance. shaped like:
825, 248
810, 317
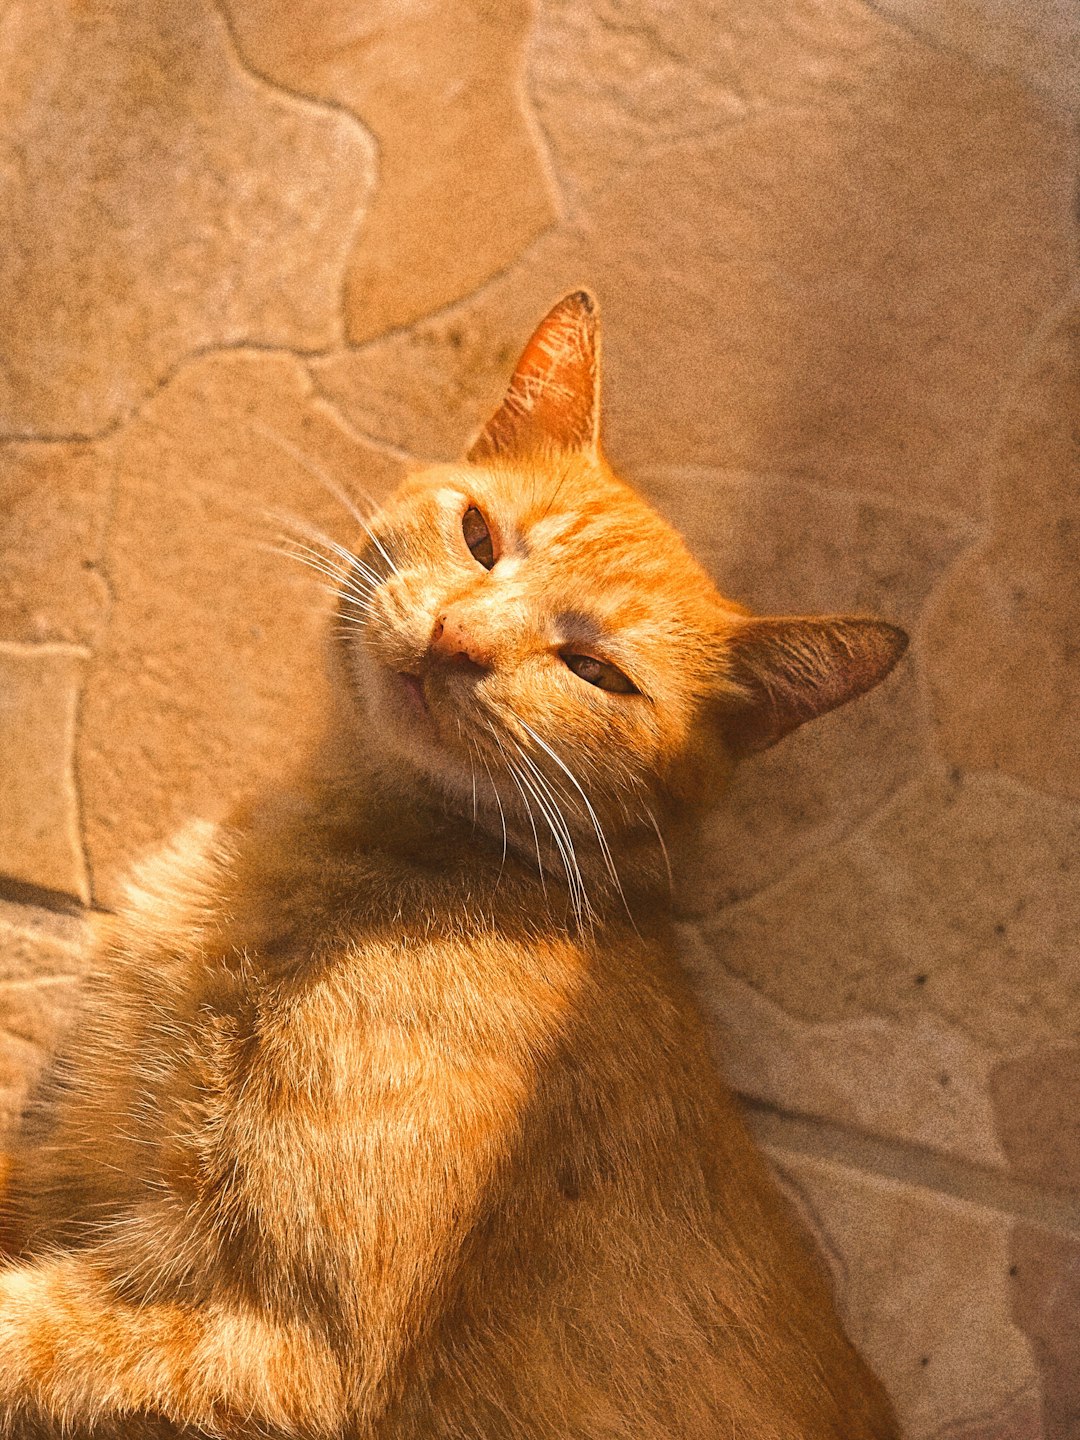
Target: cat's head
525, 632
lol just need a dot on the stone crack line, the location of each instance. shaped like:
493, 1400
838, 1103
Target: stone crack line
964, 524
983, 537
130, 413
973, 1421
324, 105
103, 571
452, 307
831, 838
321, 396
782, 1131
276, 87
530, 113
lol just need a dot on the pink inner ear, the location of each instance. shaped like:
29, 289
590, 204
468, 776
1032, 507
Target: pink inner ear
792, 670
553, 401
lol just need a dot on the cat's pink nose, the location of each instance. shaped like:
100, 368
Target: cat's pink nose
452, 641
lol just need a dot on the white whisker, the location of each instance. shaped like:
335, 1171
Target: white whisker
552, 811
498, 802
663, 849
601, 837
514, 775
331, 485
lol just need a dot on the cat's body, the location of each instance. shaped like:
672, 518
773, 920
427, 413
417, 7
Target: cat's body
385, 1125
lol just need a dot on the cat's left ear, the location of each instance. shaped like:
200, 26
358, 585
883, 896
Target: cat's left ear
553, 401
788, 670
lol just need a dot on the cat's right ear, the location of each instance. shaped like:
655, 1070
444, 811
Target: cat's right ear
553, 400
784, 671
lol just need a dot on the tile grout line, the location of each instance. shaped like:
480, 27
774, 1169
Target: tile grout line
785, 1132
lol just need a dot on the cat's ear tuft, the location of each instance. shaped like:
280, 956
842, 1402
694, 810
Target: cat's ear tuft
553, 400
785, 671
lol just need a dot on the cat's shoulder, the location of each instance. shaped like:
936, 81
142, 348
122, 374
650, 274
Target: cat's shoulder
172, 891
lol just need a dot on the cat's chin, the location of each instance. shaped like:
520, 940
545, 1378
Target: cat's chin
411, 733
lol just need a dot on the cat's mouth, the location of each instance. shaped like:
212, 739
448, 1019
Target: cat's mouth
412, 688
428, 710
415, 699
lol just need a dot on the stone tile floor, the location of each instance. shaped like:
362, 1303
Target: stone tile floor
835, 244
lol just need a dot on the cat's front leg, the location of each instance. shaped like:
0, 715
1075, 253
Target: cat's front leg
73, 1355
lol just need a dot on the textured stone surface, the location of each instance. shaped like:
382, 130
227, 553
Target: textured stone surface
462, 184
158, 199
918, 1079
1003, 639
774, 290
40, 843
42, 955
1037, 1100
911, 980
960, 900
53, 508
923, 1281
1045, 1291
610, 81
835, 243
210, 636
1035, 40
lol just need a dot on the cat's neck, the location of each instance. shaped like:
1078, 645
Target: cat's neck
348, 799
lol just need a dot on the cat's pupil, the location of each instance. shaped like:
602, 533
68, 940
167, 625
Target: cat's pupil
478, 537
601, 674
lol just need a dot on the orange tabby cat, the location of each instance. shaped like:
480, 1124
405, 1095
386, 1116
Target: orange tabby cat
391, 1114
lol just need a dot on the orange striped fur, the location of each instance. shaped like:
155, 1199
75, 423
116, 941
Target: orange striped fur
390, 1113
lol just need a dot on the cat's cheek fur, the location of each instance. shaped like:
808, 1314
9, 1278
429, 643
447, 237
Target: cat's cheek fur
697, 775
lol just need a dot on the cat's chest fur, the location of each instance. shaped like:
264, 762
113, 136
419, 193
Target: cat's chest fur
366, 1036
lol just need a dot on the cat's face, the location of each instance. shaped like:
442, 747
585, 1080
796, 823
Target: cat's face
537, 612
525, 631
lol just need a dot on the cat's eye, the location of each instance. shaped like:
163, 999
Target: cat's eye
478, 537
601, 674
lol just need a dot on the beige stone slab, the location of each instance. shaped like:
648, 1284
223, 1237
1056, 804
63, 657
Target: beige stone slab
1037, 1101
40, 843
1002, 639
836, 288
1038, 41
611, 81
209, 673
31, 1017
958, 901
784, 545
1045, 1290
38, 944
165, 200
462, 183
843, 320
915, 1079
53, 510
923, 1282
42, 955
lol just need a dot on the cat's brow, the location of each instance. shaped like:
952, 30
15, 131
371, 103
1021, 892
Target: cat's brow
577, 625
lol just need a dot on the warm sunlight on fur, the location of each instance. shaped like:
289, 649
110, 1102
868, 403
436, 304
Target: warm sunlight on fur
391, 1114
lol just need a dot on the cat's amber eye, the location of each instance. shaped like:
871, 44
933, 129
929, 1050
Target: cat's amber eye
478, 537
601, 674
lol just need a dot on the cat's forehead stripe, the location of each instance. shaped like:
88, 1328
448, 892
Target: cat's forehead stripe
589, 525
619, 563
